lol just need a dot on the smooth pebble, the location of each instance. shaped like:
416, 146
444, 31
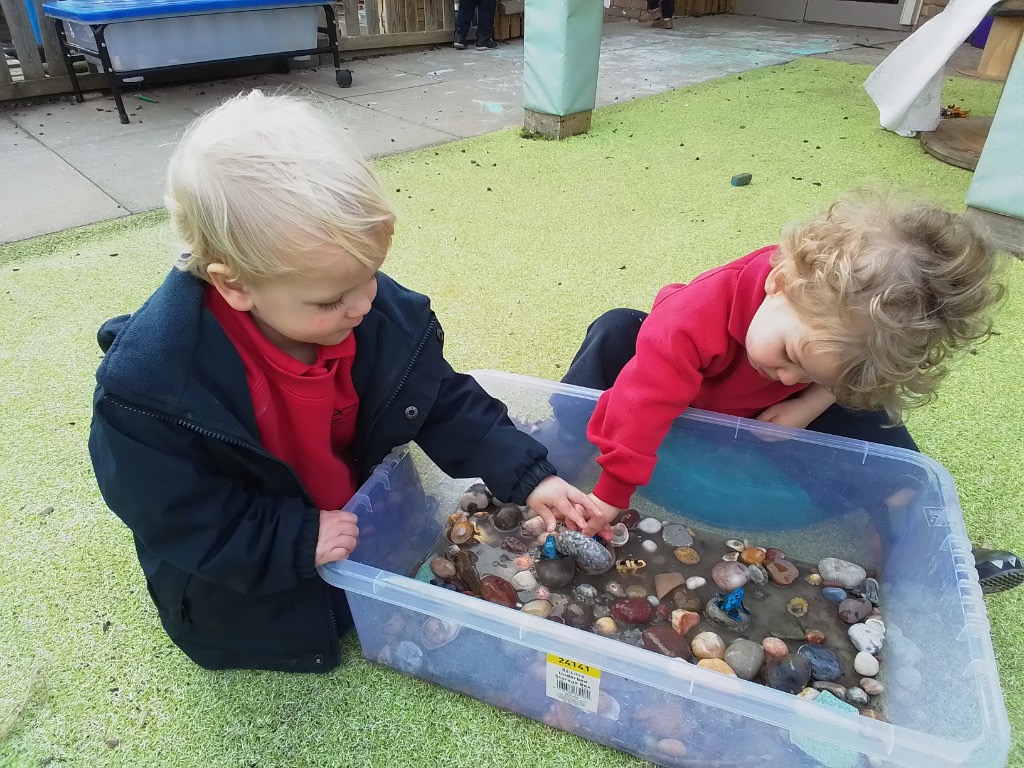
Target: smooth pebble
649, 525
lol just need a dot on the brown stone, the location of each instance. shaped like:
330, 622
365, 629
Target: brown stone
496, 590
684, 621
633, 610
782, 572
666, 641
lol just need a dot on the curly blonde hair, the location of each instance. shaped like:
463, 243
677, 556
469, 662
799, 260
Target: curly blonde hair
262, 178
892, 289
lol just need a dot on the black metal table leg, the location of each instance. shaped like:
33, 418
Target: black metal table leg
108, 69
342, 77
69, 60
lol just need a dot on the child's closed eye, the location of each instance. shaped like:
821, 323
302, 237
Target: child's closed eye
332, 305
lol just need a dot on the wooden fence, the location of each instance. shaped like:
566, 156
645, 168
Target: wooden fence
369, 24
30, 75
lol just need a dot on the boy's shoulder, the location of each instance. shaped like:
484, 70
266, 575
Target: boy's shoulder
720, 283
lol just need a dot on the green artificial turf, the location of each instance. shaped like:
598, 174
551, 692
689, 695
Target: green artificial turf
520, 243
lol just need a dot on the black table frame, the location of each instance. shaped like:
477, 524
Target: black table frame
74, 52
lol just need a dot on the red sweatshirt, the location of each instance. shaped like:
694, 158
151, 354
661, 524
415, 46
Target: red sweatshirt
306, 414
690, 351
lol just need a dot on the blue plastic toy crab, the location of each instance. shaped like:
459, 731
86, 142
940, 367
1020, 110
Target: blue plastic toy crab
732, 604
550, 551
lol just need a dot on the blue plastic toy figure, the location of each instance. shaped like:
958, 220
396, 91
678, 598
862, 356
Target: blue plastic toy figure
550, 552
732, 604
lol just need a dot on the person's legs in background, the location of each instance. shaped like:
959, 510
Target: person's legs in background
668, 10
464, 20
485, 24
610, 343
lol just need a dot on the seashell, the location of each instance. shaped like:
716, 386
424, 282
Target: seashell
695, 582
620, 535
462, 532
735, 544
797, 607
437, 632
456, 517
731, 557
687, 555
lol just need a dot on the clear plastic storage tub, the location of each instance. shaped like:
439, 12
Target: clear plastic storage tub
810, 495
147, 34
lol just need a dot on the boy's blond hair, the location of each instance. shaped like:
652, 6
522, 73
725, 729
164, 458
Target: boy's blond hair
260, 179
893, 288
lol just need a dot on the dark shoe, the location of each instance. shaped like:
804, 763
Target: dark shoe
662, 24
486, 42
998, 570
460, 42
651, 14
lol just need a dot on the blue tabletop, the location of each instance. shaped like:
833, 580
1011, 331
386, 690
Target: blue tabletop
105, 11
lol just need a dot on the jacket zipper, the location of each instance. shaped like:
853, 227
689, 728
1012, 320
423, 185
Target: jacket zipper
241, 444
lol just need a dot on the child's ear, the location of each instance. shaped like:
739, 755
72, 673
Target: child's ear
775, 281
230, 288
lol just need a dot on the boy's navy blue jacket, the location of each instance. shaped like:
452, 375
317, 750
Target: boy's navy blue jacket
225, 532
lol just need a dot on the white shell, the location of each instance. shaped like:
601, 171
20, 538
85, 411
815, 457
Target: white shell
735, 544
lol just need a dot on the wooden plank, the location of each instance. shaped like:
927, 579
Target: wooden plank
51, 45
429, 16
1001, 47
448, 14
369, 42
372, 16
1004, 232
352, 18
50, 86
390, 18
5, 72
24, 40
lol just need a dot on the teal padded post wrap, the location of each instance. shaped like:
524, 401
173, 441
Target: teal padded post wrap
561, 49
998, 183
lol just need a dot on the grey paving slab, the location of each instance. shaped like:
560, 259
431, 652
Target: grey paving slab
631, 73
129, 168
41, 193
193, 99
57, 124
456, 109
376, 133
367, 77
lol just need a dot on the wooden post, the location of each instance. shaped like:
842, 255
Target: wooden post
24, 40
555, 126
1001, 46
372, 16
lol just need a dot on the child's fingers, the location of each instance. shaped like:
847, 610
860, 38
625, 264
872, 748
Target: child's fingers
577, 496
548, 516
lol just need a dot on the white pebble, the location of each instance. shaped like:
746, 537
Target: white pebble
653, 600
524, 580
649, 525
695, 582
649, 546
866, 638
865, 664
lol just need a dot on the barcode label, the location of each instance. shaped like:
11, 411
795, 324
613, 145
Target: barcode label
573, 682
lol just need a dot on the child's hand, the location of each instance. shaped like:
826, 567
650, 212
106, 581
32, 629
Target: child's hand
338, 536
601, 522
797, 411
554, 498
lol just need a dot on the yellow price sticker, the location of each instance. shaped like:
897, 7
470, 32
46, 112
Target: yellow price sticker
575, 666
